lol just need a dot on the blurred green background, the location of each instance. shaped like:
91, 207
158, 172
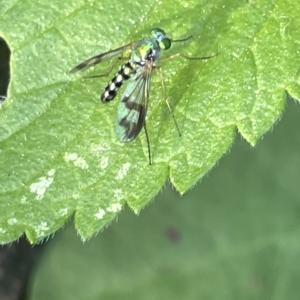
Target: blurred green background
235, 235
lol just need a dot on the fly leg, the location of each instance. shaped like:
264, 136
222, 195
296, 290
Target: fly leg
148, 144
159, 68
110, 68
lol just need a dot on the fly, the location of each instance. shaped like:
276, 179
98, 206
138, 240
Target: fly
132, 109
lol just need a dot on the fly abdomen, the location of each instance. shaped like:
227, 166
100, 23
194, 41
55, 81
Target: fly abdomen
110, 92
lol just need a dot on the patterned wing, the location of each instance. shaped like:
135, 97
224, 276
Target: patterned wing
133, 107
100, 57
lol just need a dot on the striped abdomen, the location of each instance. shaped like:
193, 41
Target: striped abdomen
110, 92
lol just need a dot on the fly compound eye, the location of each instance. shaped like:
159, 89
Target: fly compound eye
158, 33
163, 40
165, 44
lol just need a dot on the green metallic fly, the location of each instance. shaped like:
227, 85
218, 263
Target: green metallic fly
132, 110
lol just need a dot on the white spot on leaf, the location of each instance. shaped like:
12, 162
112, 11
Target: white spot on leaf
11, 221
77, 160
39, 188
114, 208
51, 172
100, 213
123, 171
42, 228
63, 212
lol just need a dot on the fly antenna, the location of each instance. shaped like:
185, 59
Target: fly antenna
183, 40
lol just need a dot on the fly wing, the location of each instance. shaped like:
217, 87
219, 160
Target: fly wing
133, 107
100, 57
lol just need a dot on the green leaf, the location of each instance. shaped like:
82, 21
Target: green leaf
59, 151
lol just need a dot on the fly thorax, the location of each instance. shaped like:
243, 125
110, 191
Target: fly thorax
145, 51
124, 73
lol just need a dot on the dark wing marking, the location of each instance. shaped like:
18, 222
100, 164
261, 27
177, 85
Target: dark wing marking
133, 106
100, 57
